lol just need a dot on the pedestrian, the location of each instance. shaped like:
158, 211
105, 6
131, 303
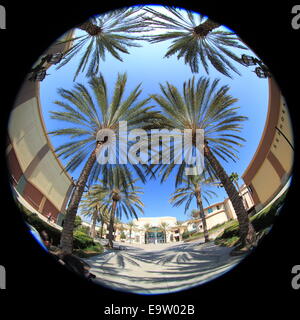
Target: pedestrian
49, 217
46, 240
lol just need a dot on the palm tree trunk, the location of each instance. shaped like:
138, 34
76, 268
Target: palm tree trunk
66, 240
111, 224
202, 215
90, 28
101, 230
204, 28
93, 226
247, 232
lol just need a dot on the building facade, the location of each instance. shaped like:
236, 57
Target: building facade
271, 166
38, 178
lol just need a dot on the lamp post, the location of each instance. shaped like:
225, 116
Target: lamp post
39, 72
262, 71
286, 139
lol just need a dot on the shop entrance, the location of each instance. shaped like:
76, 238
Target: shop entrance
155, 235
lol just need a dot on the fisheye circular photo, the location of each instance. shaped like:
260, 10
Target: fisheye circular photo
149, 149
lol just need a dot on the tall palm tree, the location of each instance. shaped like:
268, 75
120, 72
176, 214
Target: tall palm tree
196, 40
131, 225
207, 107
192, 189
122, 197
85, 115
112, 32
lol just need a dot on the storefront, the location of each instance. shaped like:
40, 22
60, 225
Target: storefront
155, 235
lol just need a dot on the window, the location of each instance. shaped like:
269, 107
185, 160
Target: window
245, 203
209, 210
218, 207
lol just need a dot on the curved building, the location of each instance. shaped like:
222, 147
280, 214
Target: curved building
271, 166
39, 180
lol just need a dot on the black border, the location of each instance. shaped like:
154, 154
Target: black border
35, 279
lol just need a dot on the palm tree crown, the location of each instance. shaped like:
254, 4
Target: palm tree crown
111, 32
196, 40
202, 106
87, 111
127, 197
188, 192
122, 196
192, 189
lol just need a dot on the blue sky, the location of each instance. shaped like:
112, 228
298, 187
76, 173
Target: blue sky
146, 65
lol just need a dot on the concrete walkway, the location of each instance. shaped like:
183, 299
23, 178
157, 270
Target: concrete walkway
161, 268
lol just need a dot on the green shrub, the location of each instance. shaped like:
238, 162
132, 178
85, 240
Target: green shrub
186, 234
123, 236
82, 240
260, 221
89, 251
40, 225
83, 229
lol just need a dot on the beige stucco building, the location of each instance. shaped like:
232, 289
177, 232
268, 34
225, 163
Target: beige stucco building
152, 230
221, 212
38, 178
271, 166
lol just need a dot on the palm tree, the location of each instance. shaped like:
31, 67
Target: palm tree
147, 227
194, 214
196, 40
91, 205
122, 197
192, 190
88, 115
94, 214
131, 225
164, 227
205, 107
104, 219
113, 32
234, 177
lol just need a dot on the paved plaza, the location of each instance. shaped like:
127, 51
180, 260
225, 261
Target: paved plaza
161, 268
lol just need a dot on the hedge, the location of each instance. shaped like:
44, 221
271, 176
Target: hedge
81, 240
259, 221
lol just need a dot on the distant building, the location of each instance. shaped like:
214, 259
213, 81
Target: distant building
156, 230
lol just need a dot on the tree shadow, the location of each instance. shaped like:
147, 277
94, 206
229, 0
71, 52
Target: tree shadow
171, 269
